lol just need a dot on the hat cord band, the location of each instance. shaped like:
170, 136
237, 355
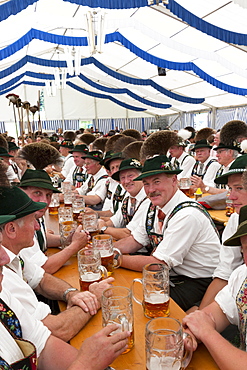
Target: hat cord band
21, 208
35, 180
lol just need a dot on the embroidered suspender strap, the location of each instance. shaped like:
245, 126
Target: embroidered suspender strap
108, 191
117, 198
184, 159
74, 175
219, 173
101, 177
195, 205
241, 305
127, 218
195, 168
10, 320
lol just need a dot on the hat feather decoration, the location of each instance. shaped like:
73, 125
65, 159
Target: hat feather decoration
41, 155
233, 130
243, 146
4, 143
204, 133
158, 143
184, 134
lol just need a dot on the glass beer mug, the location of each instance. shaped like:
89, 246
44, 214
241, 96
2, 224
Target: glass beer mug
165, 345
90, 268
116, 305
155, 281
184, 186
90, 224
104, 244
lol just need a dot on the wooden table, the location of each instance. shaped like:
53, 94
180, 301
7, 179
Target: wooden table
219, 215
135, 359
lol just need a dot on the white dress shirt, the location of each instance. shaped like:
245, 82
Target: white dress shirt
230, 257
14, 283
208, 178
190, 245
186, 163
32, 330
226, 298
67, 165
99, 187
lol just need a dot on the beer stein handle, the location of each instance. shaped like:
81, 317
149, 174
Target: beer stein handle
103, 272
117, 258
133, 292
188, 351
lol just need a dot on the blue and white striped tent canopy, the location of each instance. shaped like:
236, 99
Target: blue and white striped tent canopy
201, 45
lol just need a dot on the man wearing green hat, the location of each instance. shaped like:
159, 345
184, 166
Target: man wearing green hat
230, 258
64, 148
225, 154
77, 174
38, 186
93, 190
134, 204
22, 276
180, 232
205, 167
35, 340
229, 307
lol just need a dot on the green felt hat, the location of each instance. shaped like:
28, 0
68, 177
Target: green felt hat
82, 148
4, 153
238, 166
109, 156
39, 179
234, 240
96, 155
15, 202
156, 165
12, 146
225, 146
66, 144
202, 144
127, 164
6, 218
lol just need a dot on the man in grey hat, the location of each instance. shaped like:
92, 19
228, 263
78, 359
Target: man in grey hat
22, 276
176, 232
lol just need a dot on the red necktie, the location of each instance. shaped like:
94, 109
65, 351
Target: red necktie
161, 217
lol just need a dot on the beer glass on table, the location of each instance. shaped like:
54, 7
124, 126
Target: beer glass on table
165, 345
54, 205
65, 214
184, 186
67, 229
104, 244
78, 206
90, 224
116, 304
155, 282
68, 197
90, 268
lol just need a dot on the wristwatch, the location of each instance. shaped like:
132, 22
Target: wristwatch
206, 189
67, 291
103, 229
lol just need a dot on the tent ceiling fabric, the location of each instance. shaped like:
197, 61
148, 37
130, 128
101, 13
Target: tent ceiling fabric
201, 43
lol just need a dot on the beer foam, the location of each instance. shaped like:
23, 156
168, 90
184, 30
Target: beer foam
163, 363
105, 253
157, 297
91, 276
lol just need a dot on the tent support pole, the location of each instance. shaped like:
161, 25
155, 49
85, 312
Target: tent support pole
96, 114
213, 118
62, 111
127, 119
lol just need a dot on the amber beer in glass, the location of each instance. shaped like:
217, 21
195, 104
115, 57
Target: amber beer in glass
103, 243
53, 210
54, 205
184, 186
90, 268
117, 309
90, 224
155, 282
